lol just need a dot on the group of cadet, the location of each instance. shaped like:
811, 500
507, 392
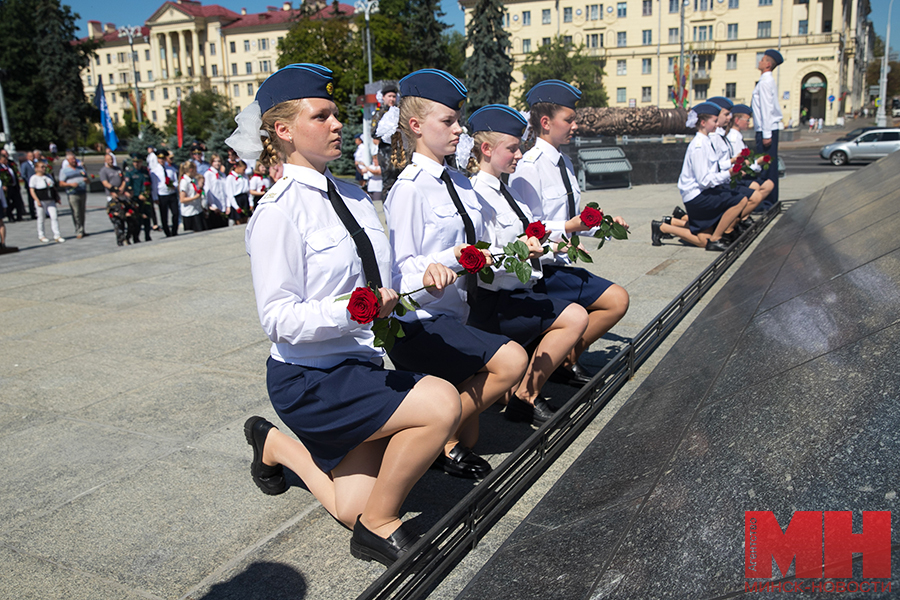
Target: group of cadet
722, 182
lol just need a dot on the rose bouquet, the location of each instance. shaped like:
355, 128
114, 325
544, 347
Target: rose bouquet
743, 167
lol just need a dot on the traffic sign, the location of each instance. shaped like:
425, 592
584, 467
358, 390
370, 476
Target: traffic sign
831, 98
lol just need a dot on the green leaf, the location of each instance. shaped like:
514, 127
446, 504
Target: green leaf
344, 297
521, 249
486, 275
599, 234
602, 241
561, 246
400, 310
510, 264
584, 256
408, 303
523, 271
619, 232
572, 253
482, 245
395, 326
546, 249
509, 249
575, 240
593, 205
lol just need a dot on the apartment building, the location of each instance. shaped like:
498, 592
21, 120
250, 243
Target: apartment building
185, 46
826, 45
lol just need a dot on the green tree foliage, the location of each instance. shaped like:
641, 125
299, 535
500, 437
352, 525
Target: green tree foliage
425, 29
42, 84
222, 127
456, 54
390, 45
150, 136
489, 67
558, 60
199, 112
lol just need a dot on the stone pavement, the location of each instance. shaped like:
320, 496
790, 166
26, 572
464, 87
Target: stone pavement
126, 376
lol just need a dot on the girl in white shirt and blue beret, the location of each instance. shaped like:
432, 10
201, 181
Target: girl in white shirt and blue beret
368, 433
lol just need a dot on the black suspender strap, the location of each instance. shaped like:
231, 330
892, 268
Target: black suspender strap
570, 195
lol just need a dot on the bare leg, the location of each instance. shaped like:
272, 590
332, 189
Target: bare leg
478, 392
285, 450
606, 311
684, 233
728, 219
555, 345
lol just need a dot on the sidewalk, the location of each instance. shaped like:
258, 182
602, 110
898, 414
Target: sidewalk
126, 377
828, 135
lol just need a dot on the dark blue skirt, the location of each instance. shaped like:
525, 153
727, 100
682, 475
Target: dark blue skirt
705, 210
571, 284
332, 411
444, 347
521, 315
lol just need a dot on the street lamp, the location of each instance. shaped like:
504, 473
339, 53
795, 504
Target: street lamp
131, 33
367, 7
881, 118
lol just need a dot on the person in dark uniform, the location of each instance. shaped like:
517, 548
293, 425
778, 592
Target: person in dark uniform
138, 193
118, 212
389, 173
12, 185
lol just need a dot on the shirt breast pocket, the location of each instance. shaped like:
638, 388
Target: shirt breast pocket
331, 254
555, 196
450, 228
509, 228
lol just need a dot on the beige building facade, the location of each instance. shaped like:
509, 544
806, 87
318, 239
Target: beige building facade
826, 45
185, 46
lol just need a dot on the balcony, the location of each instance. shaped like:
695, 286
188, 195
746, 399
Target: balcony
701, 76
815, 38
597, 52
704, 47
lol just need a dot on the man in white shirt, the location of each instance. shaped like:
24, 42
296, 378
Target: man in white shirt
766, 119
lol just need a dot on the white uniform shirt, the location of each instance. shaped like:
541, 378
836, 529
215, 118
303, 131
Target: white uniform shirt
699, 169
187, 186
537, 181
234, 185
424, 227
722, 147
158, 173
503, 229
736, 145
301, 259
256, 184
766, 110
212, 185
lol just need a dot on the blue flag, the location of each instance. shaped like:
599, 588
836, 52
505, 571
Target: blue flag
106, 122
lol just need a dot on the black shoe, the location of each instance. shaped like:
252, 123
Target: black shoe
668, 221
269, 479
576, 376
537, 414
367, 546
679, 213
655, 233
716, 246
730, 238
740, 227
147, 238
462, 462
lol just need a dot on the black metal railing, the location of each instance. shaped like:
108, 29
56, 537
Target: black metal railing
451, 538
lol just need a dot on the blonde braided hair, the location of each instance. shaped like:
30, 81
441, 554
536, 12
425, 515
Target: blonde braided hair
403, 142
273, 147
480, 137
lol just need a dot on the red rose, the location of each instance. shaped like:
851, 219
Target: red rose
736, 168
168, 181
363, 305
745, 152
591, 217
767, 159
262, 189
472, 259
146, 184
536, 229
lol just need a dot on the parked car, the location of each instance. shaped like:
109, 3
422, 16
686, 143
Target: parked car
856, 133
871, 145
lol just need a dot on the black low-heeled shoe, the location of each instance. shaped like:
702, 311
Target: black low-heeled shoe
655, 233
574, 376
537, 414
367, 546
716, 246
268, 479
462, 462
679, 213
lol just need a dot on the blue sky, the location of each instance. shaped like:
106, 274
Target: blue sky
135, 13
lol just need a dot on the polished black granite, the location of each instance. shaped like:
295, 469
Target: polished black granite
783, 395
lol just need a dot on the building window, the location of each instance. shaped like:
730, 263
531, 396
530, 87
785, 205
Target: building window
120, 57
212, 49
249, 89
90, 80
803, 27
215, 70
764, 29
526, 46
232, 47
648, 8
700, 91
147, 54
97, 60
203, 70
702, 33
152, 95
620, 94
730, 90
646, 94
670, 92
646, 66
731, 62
165, 93
263, 43
593, 40
526, 17
826, 26
113, 98
265, 66
190, 71
545, 16
596, 12
149, 75
545, 41
116, 117
734, 4
673, 35
153, 114
621, 39
234, 68
237, 90
506, 20
647, 37
701, 5
215, 89
674, 6
109, 59
123, 77
621, 67
765, 2
137, 76
248, 67
671, 67
732, 31
567, 15
246, 45
622, 9
567, 40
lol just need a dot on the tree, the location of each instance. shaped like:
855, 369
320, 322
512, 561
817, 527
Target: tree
489, 67
559, 60
390, 44
199, 112
424, 28
456, 54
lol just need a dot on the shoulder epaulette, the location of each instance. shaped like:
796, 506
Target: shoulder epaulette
532, 155
411, 171
275, 192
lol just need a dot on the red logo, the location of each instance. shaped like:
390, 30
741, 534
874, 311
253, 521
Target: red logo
821, 544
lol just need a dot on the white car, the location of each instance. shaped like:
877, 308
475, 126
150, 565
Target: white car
871, 145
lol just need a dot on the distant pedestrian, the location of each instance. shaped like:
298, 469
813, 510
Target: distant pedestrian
26, 168
812, 124
111, 176
4, 249
53, 149
73, 177
767, 118
820, 122
12, 186
43, 192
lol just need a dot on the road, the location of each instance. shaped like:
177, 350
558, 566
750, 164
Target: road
807, 160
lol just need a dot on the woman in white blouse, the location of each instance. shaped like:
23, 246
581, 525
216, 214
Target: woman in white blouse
40, 186
190, 194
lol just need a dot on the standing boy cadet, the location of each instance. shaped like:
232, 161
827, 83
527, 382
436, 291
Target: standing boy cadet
766, 118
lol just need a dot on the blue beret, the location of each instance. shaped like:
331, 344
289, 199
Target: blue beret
741, 109
555, 91
435, 85
293, 82
707, 108
499, 118
776, 56
721, 102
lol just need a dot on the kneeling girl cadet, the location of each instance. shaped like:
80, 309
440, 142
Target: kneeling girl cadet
432, 215
545, 180
368, 434
506, 305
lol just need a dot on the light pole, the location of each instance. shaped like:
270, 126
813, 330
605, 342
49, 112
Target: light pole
681, 87
6, 136
366, 7
881, 118
131, 33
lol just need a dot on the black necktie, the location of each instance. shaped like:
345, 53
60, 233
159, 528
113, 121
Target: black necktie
535, 263
570, 196
471, 282
363, 244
